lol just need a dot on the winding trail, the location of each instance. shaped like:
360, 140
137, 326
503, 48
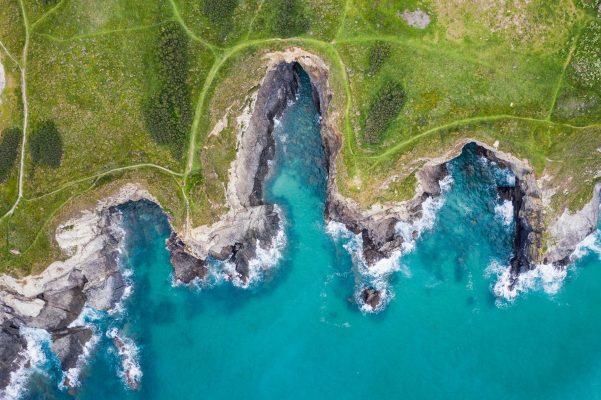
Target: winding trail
23, 69
223, 54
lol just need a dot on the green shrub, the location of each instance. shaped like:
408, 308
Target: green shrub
386, 106
168, 110
46, 145
378, 54
290, 18
9, 150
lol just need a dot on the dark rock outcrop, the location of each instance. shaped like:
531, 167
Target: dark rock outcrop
68, 344
186, 267
12, 344
371, 297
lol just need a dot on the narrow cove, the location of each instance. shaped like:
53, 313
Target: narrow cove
299, 334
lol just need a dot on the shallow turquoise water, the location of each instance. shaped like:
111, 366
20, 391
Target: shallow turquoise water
298, 334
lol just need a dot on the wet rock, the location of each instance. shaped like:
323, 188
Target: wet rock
12, 344
371, 297
62, 308
186, 267
68, 344
130, 379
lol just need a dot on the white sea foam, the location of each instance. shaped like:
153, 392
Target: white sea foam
504, 212
544, 277
32, 359
410, 231
129, 355
266, 258
377, 275
591, 243
89, 317
72, 375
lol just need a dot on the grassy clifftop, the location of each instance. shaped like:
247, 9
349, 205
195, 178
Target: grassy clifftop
123, 80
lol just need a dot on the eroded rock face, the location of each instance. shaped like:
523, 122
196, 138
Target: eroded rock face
250, 222
186, 267
54, 299
12, 345
68, 344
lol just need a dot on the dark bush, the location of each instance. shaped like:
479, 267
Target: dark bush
290, 18
46, 145
168, 110
9, 150
378, 54
219, 11
386, 106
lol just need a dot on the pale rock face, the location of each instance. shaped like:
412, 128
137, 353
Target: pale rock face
417, 19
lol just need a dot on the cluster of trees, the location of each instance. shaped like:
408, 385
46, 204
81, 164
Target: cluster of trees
168, 111
378, 54
46, 145
219, 11
384, 109
290, 18
9, 150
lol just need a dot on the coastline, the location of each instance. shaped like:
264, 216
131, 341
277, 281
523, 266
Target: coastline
54, 299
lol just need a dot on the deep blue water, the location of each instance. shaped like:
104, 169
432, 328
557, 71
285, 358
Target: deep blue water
299, 334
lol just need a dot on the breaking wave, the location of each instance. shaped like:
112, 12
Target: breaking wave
130, 371
266, 258
545, 277
377, 276
31, 359
504, 212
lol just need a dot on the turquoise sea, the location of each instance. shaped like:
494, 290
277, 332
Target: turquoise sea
299, 334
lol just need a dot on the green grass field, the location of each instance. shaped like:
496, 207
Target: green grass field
124, 81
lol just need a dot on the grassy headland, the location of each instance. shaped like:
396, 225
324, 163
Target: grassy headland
135, 88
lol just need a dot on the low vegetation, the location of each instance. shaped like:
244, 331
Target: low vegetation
168, 112
384, 109
131, 84
10, 139
378, 54
46, 145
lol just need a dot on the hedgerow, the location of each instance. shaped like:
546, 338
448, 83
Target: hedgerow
46, 145
168, 111
384, 109
9, 150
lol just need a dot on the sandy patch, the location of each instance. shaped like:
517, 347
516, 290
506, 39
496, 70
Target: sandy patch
417, 19
2, 81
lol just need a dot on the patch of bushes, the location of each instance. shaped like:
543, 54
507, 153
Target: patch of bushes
9, 150
384, 109
168, 111
378, 54
290, 18
46, 145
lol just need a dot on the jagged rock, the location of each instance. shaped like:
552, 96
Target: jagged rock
61, 308
68, 344
371, 297
186, 267
11, 346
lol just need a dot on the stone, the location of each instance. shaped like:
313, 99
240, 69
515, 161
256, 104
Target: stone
371, 297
